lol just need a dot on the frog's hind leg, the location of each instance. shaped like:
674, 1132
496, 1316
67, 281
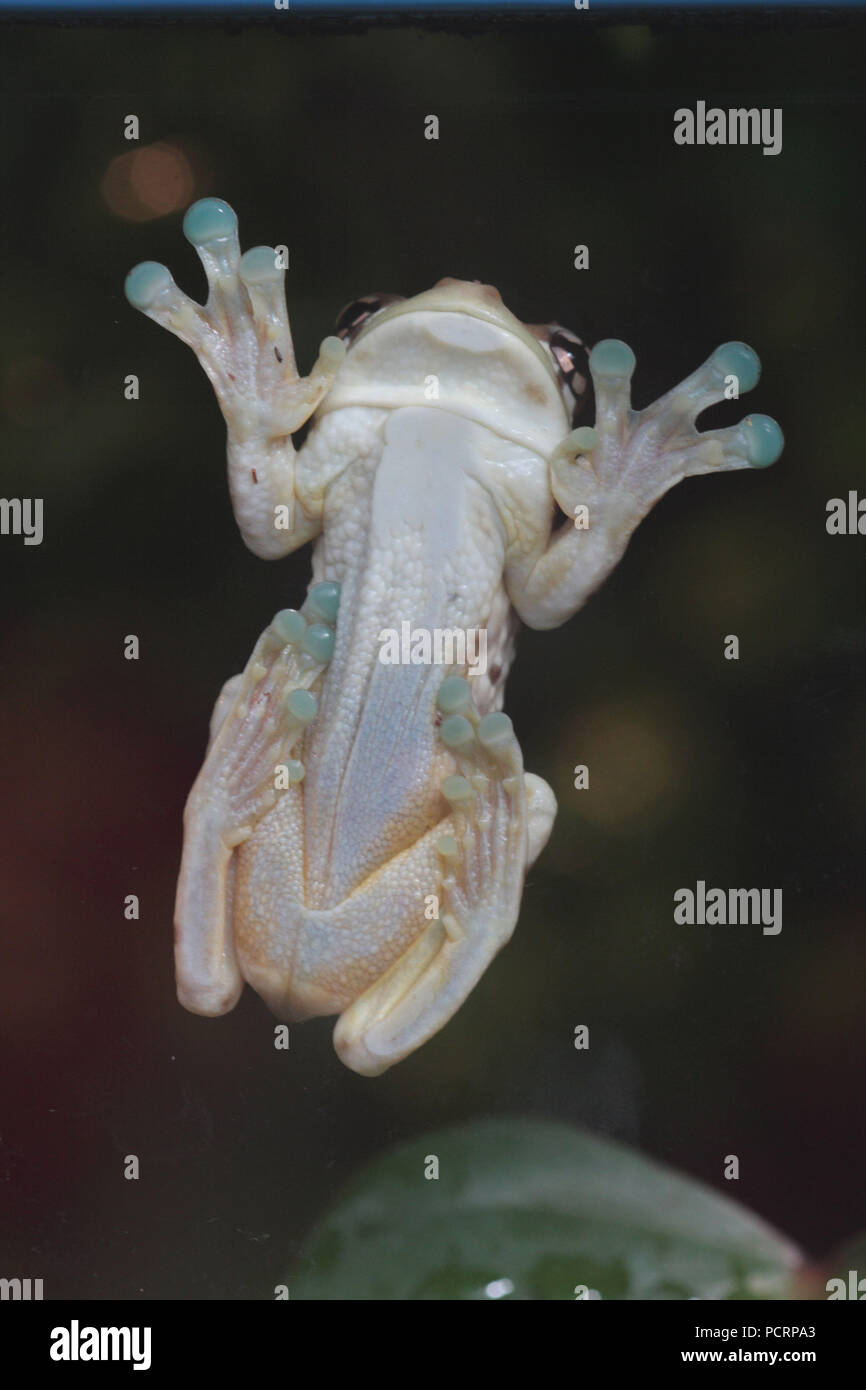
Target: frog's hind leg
257, 728
225, 703
540, 815
500, 822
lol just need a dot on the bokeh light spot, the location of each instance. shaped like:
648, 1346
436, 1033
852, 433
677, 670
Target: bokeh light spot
633, 759
149, 182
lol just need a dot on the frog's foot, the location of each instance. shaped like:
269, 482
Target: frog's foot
499, 823
241, 336
257, 729
608, 477
250, 758
623, 465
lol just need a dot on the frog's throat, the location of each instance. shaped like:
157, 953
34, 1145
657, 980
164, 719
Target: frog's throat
465, 297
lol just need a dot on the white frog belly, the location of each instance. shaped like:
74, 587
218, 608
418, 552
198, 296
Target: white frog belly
433, 557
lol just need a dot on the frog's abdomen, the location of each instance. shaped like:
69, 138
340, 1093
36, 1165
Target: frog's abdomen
423, 546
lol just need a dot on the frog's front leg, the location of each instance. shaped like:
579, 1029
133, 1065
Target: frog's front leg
500, 821
243, 341
607, 478
256, 733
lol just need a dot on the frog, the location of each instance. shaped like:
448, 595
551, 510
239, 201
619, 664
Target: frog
357, 840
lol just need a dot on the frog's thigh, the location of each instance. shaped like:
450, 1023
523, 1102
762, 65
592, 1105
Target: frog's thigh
485, 859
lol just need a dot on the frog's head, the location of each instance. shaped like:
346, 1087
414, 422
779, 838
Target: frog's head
458, 348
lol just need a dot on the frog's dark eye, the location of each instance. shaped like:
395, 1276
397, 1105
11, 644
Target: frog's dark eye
351, 320
569, 358
568, 353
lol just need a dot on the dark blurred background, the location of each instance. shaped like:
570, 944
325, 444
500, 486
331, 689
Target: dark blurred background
704, 1041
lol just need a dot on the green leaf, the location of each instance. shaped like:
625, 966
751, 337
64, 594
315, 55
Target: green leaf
535, 1210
